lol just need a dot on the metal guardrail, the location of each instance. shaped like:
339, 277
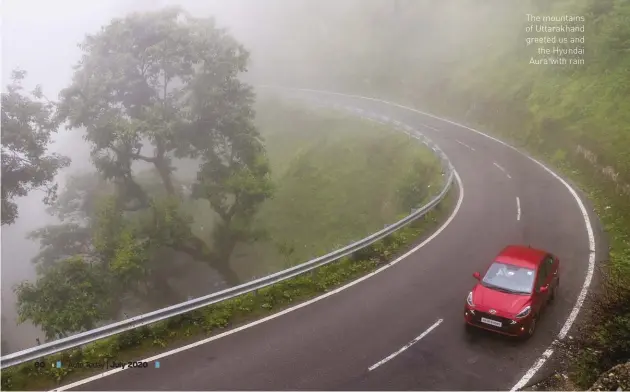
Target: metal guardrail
184, 307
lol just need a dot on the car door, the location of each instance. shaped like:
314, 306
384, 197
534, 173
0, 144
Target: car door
542, 280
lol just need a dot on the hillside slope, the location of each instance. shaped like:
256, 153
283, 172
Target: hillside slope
469, 61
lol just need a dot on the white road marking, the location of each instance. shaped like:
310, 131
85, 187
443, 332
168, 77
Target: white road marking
431, 128
518, 208
406, 346
460, 185
502, 169
375, 121
587, 222
583, 293
465, 145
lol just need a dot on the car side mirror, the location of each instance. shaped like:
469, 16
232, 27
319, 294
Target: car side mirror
544, 289
477, 276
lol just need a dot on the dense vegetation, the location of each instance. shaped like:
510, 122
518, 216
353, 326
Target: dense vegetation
346, 177
139, 222
142, 342
28, 123
145, 76
468, 60
181, 180
149, 88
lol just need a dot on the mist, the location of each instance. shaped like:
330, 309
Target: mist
403, 48
41, 38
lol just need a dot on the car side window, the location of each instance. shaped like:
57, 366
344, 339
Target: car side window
549, 261
543, 271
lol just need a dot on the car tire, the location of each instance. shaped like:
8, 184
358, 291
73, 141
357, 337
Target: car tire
554, 292
532, 328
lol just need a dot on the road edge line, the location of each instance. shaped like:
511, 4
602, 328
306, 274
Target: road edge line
587, 221
460, 200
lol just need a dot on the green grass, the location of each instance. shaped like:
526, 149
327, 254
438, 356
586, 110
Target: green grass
601, 340
337, 180
178, 331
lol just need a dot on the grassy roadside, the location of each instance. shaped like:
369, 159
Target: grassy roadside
215, 319
343, 150
343, 175
601, 337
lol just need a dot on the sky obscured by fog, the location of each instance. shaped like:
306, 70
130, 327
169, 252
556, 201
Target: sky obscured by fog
41, 37
290, 41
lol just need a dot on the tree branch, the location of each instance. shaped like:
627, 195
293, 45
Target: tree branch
134, 155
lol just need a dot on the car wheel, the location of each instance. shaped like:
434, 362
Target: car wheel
532, 328
554, 291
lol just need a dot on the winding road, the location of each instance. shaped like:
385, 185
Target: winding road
402, 327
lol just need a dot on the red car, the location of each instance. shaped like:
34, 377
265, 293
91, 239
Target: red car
513, 292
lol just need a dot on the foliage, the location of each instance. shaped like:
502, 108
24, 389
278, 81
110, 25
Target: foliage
73, 296
130, 247
78, 201
335, 171
163, 85
149, 88
468, 60
552, 111
602, 341
414, 189
27, 125
214, 318
474, 66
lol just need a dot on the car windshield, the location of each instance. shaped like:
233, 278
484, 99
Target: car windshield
509, 278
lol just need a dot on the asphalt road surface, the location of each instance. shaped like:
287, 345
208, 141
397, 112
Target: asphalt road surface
352, 340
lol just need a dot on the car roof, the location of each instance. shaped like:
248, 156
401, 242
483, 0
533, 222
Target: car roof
522, 256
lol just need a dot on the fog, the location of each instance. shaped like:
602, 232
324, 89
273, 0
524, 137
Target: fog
41, 38
327, 44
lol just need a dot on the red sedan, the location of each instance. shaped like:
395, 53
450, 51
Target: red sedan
513, 291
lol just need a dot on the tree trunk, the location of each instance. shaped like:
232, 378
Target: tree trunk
162, 165
165, 174
222, 258
129, 190
198, 250
227, 273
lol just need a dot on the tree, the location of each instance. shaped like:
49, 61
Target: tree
159, 86
235, 191
126, 255
27, 125
72, 296
150, 88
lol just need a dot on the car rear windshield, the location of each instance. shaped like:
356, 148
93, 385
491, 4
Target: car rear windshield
510, 278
